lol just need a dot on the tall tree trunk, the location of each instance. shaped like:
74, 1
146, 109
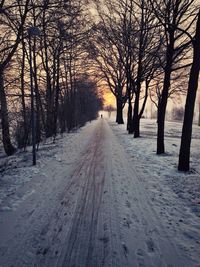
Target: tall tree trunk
25, 125
136, 114
8, 147
130, 108
137, 96
49, 121
184, 156
57, 94
145, 100
138, 117
119, 117
37, 95
73, 93
130, 128
163, 102
22, 85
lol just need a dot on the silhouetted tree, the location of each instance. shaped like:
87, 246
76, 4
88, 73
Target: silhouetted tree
109, 49
184, 156
173, 16
12, 18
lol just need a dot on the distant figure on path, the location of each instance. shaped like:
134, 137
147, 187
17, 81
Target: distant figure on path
101, 116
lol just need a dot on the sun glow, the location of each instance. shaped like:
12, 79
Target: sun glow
109, 99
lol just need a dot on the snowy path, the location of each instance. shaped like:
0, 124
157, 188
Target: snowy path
96, 214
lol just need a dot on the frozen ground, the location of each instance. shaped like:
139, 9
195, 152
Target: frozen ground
17, 170
97, 198
163, 168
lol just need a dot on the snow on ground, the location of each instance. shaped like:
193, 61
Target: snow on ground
162, 169
16, 171
98, 197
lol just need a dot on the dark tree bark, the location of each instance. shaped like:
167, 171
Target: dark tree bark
164, 97
39, 110
139, 74
129, 89
49, 95
119, 116
8, 147
145, 100
138, 116
23, 103
130, 128
37, 95
184, 156
57, 94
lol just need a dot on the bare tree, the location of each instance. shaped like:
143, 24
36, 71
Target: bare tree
11, 28
176, 18
107, 52
59, 69
146, 48
184, 156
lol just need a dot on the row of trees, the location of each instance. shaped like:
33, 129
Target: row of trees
47, 38
149, 49
138, 48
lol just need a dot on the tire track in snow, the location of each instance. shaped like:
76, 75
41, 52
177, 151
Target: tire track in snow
104, 217
102, 231
90, 238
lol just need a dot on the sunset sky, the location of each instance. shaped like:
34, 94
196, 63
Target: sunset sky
109, 98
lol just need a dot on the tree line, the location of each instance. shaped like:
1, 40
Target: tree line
149, 49
43, 43
139, 49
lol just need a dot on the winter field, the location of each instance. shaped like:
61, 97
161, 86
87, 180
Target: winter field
99, 197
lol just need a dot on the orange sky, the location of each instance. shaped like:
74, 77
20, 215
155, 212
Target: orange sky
109, 98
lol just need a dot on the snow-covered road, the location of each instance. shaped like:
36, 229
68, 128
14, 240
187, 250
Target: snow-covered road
95, 212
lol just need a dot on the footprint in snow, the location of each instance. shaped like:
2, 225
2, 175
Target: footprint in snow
125, 249
104, 239
150, 246
128, 204
140, 252
127, 222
